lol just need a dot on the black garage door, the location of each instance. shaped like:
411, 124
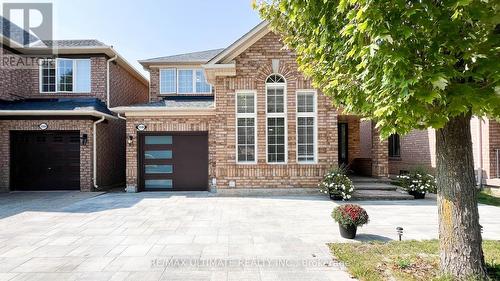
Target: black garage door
173, 161
48, 160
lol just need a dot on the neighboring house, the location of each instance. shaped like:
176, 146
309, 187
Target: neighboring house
56, 129
418, 149
239, 117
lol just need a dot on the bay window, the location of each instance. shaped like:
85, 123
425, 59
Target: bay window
246, 122
306, 127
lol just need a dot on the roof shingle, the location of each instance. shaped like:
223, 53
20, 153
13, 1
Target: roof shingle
195, 57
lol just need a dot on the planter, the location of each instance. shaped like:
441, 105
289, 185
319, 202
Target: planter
417, 195
348, 231
336, 197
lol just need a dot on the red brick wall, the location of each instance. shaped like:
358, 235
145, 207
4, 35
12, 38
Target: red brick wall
111, 153
253, 66
353, 136
494, 141
417, 150
125, 89
84, 126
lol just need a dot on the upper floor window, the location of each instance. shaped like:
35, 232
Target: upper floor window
394, 146
306, 126
65, 75
183, 81
276, 119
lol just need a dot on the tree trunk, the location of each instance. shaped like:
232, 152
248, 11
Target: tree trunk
460, 239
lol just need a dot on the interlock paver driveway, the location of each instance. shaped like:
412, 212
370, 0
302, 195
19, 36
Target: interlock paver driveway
191, 236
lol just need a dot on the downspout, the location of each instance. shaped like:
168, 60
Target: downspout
94, 144
107, 80
480, 172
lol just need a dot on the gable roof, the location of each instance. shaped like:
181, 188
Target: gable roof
194, 57
241, 44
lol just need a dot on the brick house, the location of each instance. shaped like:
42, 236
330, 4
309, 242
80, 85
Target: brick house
56, 129
239, 117
418, 149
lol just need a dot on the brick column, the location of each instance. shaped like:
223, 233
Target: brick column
380, 155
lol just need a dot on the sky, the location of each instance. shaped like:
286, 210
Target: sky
141, 29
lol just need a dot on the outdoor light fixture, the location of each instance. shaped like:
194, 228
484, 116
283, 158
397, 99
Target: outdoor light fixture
84, 138
43, 126
400, 232
141, 127
130, 139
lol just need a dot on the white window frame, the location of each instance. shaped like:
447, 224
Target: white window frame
277, 115
246, 115
40, 76
193, 70
164, 69
315, 128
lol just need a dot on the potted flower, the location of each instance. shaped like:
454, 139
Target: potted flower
337, 185
349, 217
417, 183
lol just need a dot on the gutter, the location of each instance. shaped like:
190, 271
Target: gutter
94, 146
94, 113
108, 102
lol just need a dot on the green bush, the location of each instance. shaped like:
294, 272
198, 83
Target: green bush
418, 180
336, 182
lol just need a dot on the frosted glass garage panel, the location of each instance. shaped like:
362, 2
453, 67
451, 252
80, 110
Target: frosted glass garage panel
158, 139
158, 184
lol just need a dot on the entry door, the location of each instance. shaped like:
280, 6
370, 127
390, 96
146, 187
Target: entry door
45, 160
174, 161
343, 144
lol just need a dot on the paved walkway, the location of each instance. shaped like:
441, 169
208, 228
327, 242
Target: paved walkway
160, 236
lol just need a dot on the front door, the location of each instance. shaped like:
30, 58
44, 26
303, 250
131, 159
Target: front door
343, 144
174, 161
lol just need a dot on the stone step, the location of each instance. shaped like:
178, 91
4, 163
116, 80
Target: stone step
358, 179
242, 192
373, 186
380, 195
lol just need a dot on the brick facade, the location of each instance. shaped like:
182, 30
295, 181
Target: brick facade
125, 89
84, 126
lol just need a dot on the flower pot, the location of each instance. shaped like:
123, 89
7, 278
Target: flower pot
348, 231
417, 195
336, 197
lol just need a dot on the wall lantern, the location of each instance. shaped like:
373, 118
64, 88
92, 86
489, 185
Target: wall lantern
130, 140
141, 127
43, 126
84, 138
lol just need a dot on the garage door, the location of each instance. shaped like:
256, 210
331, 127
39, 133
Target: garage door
174, 161
45, 160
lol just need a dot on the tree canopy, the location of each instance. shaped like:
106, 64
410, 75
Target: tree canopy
406, 64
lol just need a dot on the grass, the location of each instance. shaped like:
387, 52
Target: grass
485, 197
406, 260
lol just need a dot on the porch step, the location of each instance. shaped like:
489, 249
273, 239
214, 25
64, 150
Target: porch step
373, 186
358, 179
380, 195
242, 192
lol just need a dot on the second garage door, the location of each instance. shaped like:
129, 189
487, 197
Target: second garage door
174, 161
47, 160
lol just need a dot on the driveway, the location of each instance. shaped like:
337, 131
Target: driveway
190, 236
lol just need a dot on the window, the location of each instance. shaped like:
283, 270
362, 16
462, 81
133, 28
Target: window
65, 75
394, 146
276, 119
246, 126
183, 81
168, 81
306, 127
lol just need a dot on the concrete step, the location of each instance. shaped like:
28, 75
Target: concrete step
358, 179
373, 186
242, 192
380, 195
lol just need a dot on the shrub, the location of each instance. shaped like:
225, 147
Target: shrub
337, 183
350, 214
418, 181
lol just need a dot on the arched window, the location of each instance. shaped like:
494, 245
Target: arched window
276, 119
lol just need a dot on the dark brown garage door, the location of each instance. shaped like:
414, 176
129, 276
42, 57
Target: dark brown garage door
45, 160
174, 161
